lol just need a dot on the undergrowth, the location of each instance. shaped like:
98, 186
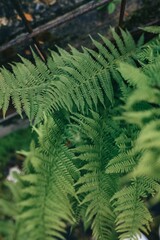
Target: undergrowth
12, 143
96, 114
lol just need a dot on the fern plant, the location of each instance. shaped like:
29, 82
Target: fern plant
104, 102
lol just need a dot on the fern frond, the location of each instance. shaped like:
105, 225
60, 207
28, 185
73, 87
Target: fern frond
132, 214
128, 72
151, 29
127, 157
94, 187
140, 103
122, 163
142, 109
69, 80
47, 188
9, 211
147, 144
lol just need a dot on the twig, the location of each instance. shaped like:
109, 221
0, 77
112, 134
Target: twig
56, 22
122, 11
17, 5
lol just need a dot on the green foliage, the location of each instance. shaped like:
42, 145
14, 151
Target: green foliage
9, 210
96, 113
70, 80
132, 214
46, 187
111, 6
152, 29
14, 142
142, 108
95, 185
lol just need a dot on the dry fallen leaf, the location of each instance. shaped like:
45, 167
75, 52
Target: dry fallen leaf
28, 16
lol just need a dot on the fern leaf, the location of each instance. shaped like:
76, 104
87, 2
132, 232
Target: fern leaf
68, 81
151, 29
123, 163
46, 191
95, 185
132, 214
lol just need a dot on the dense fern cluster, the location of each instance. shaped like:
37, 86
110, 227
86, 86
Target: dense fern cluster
105, 103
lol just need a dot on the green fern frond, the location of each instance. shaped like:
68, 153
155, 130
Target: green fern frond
9, 211
77, 79
147, 144
132, 214
142, 109
47, 188
94, 187
123, 163
128, 72
127, 157
151, 29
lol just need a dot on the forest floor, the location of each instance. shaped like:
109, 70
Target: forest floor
74, 32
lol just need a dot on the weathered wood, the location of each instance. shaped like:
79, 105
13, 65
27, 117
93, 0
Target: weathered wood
12, 127
8, 117
55, 23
